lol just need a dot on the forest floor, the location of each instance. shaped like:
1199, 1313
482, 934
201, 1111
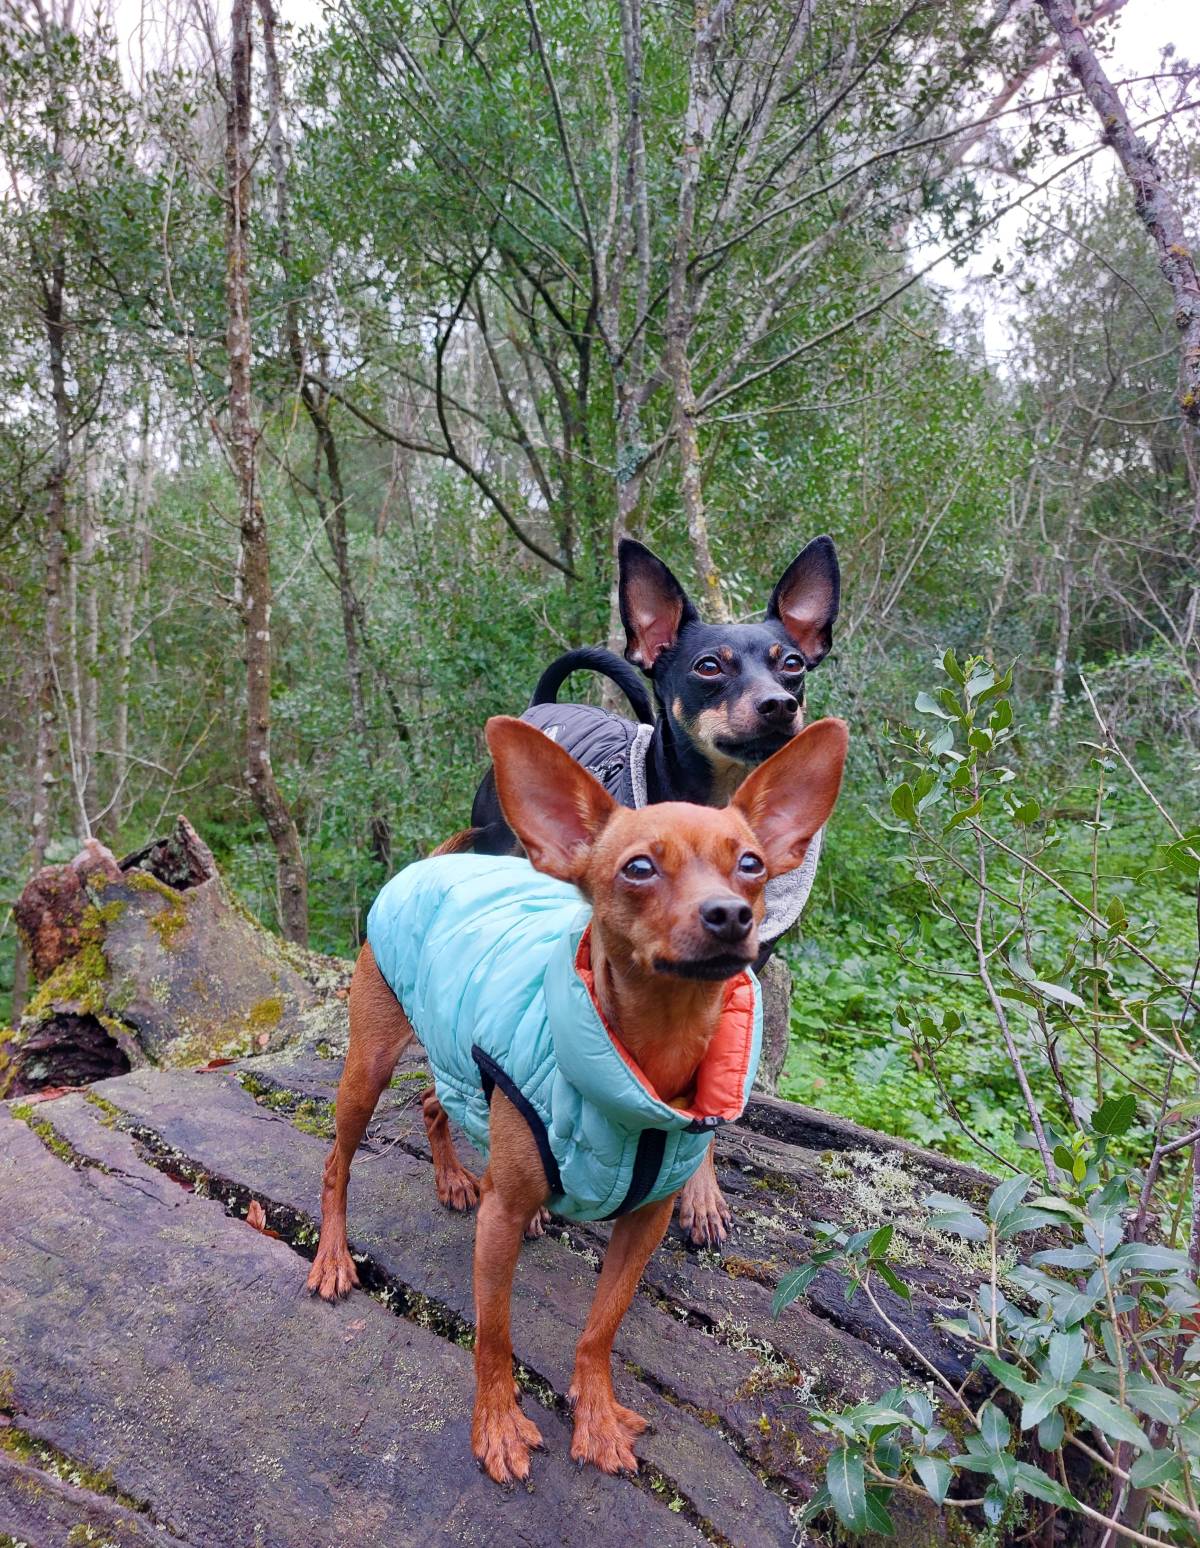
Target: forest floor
166, 1379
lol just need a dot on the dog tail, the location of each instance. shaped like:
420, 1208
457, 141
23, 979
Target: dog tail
460, 843
595, 658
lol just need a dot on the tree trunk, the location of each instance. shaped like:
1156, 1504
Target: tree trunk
333, 511
243, 449
708, 26
1062, 644
139, 504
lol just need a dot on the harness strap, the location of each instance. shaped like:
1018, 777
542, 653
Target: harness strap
491, 1076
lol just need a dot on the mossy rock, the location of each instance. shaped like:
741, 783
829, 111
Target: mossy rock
170, 970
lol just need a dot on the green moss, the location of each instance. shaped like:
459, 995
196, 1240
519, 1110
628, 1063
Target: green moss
169, 921
266, 1013
309, 1114
48, 1459
7, 1391
111, 1112
80, 980
50, 1137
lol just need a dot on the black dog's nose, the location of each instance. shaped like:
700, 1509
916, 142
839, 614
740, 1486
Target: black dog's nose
729, 919
781, 706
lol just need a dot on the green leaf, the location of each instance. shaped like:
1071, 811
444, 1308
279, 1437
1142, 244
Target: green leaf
994, 1427
994, 1502
1137, 1256
846, 1482
936, 1474
1099, 1410
964, 814
1115, 1114
1050, 1432
1008, 1376
1065, 1356
881, 1241
1041, 1405
1025, 1218
961, 1224
893, 1281
1031, 1480
1115, 913
1154, 1468
878, 1519
951, 667
1007, 1195
1057, 992
1154, 1400
792, 1286
927, 705
1065, 1257
1002, 716
903, 803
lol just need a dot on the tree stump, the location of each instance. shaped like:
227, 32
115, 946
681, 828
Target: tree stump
148, 960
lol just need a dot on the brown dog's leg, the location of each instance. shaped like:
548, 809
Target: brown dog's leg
456, 1187
513, 1187
704, 1216
604, 1430
379, 1029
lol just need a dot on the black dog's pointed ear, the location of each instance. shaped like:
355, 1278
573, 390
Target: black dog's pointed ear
654, 606
807, 598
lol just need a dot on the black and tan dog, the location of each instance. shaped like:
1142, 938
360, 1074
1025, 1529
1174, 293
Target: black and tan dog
728, 696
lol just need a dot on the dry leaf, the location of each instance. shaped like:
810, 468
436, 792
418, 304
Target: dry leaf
256, 1217
213, 1064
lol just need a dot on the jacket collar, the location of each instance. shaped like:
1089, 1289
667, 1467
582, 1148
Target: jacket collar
595, 1062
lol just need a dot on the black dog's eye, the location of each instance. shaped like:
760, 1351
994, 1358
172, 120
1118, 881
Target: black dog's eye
708, 666
640, 868
751, 865
792, 662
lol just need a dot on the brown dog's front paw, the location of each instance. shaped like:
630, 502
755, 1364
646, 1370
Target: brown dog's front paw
704, 1216
456, 1187
502, 1438
537, 1226
333, 1274
604, 1430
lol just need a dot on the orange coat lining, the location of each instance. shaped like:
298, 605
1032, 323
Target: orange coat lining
721, 1079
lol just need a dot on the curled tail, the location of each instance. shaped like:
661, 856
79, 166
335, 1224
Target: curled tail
595, 658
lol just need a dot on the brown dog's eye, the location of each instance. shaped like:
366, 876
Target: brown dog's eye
640, 868
708, 666
792, 663
750, 865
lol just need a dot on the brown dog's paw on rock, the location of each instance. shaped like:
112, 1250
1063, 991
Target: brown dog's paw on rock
333, 1274
456, 1187
704, 1216
605, 1431
502, 1438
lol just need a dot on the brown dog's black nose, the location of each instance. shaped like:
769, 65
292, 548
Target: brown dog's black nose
781, 706
729, 919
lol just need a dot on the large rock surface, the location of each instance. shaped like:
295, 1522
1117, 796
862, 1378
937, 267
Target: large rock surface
168, 1381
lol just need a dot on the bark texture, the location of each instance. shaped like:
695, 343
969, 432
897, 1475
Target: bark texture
255, 574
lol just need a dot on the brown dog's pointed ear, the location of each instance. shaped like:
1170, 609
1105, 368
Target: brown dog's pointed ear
790, 796
551, 803
654, 606
807, 599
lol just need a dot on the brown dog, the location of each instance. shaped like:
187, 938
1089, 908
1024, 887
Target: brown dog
677, 893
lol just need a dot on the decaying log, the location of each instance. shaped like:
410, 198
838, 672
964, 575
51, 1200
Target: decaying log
148, 960
161, 1355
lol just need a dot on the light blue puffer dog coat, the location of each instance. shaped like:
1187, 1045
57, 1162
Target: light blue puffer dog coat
491, 962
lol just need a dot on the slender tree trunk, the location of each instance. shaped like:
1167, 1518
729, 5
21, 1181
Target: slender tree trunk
1158, 210
243, 448
709, 22
139, 504
333, 511
1062, 643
